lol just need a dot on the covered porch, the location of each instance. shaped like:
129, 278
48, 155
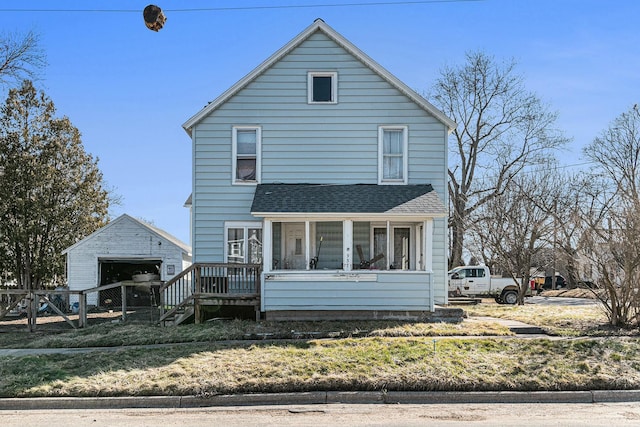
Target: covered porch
354, 251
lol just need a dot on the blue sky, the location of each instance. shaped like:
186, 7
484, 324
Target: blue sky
129, 89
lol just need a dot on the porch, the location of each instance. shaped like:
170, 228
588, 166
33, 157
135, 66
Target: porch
202, 286
359, 294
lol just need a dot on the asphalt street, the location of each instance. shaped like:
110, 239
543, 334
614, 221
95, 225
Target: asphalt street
623, 414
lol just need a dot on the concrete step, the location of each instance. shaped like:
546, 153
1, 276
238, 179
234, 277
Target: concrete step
514, 326
527, 330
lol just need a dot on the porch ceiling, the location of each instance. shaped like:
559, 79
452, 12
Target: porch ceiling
401, 200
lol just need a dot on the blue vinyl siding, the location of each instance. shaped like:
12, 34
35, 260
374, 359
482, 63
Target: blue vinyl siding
390, 291
303, 143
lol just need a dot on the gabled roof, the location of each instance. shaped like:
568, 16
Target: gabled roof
152, 229
364, 199
320, 25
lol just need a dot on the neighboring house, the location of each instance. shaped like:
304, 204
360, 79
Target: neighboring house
331, 173
601, 254
124, 247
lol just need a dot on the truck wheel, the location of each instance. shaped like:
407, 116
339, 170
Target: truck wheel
510, 297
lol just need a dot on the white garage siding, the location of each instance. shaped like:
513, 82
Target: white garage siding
124, 238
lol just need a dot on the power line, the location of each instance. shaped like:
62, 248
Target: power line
235, 8
540, 167
556, 167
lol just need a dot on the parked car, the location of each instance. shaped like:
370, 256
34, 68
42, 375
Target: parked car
476, 281
587, 284
548, 282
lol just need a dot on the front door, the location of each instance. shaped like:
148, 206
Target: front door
294, 247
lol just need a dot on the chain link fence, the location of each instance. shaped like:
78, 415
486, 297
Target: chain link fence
62, 309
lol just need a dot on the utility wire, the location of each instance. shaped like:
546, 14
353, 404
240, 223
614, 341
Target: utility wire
539, 168
574, 165
234, 8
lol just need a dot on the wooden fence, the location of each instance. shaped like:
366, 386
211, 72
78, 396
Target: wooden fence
198, 286
31, 301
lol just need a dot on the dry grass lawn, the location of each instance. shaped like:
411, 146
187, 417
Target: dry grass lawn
246, 357
445, 364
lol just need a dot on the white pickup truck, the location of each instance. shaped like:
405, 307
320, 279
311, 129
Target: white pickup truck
476, 281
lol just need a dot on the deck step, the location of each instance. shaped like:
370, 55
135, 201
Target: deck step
185, 315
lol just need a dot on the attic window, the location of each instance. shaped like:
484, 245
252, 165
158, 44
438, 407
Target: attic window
322, 87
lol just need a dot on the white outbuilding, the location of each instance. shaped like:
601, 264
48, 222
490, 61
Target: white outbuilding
124, 248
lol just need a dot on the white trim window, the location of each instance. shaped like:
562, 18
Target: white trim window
322, 87
246, 142
392, 154
243, 242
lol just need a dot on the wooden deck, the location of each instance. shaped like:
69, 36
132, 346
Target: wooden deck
205, 285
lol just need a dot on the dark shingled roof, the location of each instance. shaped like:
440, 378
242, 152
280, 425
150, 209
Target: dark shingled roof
356, 198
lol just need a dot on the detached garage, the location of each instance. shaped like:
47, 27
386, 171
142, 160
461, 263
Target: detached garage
125, 249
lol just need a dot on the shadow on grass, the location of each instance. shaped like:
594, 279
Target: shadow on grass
90, 373
135, 333
48, 375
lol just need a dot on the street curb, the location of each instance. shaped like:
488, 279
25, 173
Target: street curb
319, 397
89, 402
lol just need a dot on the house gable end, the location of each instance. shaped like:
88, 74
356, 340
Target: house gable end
319, 26
143, 226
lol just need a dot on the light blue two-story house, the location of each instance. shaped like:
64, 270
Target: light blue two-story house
330, 173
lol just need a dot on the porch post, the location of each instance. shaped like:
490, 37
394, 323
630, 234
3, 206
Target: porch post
307, 250
387, 259
267, 246
428, 260
428, 245
347, 243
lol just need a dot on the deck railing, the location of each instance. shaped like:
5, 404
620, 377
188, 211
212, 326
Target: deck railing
224, 280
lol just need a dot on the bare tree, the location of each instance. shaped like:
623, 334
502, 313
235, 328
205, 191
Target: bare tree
20, 57
560, 195
502, 129
512, 230
611, 215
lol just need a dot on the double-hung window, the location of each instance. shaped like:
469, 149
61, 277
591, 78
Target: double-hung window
392, 146
246, 154
322, 87
243, 242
